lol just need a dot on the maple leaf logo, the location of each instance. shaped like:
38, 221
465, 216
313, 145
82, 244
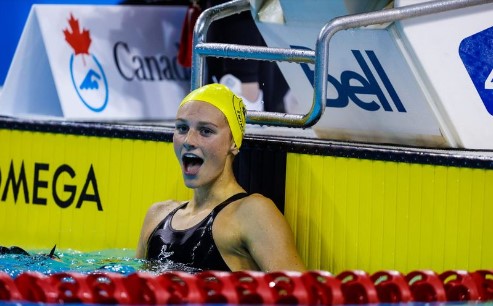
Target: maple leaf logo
79, 41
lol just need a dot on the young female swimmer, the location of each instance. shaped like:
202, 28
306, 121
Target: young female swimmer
221, 227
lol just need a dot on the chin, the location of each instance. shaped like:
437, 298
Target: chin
191, 183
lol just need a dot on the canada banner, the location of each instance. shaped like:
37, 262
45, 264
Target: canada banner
97, 63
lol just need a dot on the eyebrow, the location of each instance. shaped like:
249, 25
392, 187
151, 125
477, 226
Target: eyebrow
200, 123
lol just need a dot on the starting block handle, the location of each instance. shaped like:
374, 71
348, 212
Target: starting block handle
201, 49
319, 57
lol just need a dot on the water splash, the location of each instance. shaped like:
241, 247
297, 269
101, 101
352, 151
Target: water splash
115, 260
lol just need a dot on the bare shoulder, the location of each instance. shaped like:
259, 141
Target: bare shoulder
163, 205
256, 204
155, 214
256, 209
251, 211
159, 210
266, 234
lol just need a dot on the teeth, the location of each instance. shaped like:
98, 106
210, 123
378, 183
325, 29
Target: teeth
189, 157
191, 163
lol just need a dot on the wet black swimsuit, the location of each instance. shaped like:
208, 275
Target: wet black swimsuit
193, 247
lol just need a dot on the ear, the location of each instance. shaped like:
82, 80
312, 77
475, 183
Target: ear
234, 149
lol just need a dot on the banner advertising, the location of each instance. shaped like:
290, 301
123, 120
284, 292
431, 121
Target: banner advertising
454, 53
372, 92
97, 63
412, 82
81, 192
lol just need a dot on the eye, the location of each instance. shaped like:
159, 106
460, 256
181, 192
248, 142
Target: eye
181, 128
204, 131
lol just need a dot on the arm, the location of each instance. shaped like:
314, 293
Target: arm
268, 236
153, 216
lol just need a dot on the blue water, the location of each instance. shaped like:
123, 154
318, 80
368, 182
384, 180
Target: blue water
119, 260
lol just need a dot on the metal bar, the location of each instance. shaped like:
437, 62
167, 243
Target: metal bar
201, 49
200, 34
254, 52
320, 56
360, 20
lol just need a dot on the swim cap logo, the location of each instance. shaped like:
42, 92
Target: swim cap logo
86, 72
475, 52
240, 112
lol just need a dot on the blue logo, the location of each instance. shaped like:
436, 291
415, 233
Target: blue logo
363, 90
476, 52
86, 72
89, 82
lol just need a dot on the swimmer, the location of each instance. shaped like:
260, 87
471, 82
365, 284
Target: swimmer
222, 227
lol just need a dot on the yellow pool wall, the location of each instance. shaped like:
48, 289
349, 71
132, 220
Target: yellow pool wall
345, 212
350, 213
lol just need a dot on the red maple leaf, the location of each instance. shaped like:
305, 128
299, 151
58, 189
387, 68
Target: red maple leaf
80, 41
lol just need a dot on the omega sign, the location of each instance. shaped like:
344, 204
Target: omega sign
57, 181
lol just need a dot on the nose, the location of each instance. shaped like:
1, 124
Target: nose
188, 146
189, 142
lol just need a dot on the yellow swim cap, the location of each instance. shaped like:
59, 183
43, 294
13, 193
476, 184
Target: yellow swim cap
227, 102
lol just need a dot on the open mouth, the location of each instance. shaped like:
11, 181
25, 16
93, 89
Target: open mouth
191, 163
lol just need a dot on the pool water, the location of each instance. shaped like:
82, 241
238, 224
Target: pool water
121, 261
117, 260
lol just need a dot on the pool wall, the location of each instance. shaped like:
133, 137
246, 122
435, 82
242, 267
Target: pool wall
86, 186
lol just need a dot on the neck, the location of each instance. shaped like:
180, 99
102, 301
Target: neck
216, 191
211, 196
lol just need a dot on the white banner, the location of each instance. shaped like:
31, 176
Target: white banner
97, 63
373, 94
454, 52
422, 81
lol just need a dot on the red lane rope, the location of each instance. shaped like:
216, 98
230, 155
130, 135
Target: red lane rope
249, 287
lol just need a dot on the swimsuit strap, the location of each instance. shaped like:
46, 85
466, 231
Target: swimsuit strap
232, 198
216, 209
173, 212
168, 219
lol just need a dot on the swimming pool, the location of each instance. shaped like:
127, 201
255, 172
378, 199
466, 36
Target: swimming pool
116, 277
116, 260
